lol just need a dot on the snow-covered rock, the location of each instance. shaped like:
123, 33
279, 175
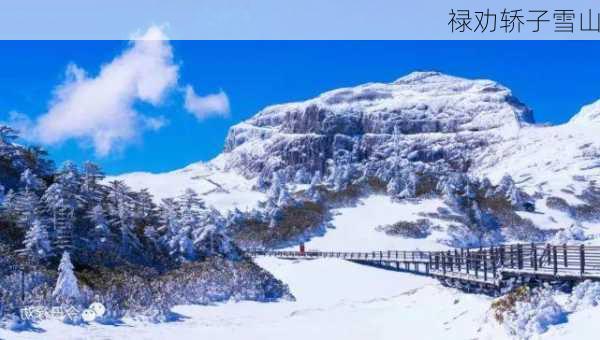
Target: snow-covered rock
585, 294
422, 117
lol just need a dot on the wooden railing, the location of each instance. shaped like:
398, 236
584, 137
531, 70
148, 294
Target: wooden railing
489, 264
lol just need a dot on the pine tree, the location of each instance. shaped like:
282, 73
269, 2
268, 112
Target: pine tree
31, 181
395, 186
66, 289
301, 176
37, 242
313, 191
91, 189
276, 183
122, 216
284, 199
62, 214
27, 208
102, 236
145, 207
410, 188
191, 219
63, 199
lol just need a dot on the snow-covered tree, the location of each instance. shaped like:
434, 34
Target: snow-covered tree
9, 203
505, 184
313, 191
66, 289
284, 199
301, 176
37, 242
121, 216
102, 236
277, 182
62, 214
395, 186
30, 181
190, 218
62, 199
144, 205
91, 189
170, 226
515, 197
410, 186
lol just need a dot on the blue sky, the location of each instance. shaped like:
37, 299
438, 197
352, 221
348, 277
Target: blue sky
554, 78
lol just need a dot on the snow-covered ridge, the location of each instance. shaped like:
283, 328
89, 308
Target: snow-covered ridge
589, 114
420, 102
223, 190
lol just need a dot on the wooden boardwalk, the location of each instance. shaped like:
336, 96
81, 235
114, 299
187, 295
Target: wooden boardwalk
490, 266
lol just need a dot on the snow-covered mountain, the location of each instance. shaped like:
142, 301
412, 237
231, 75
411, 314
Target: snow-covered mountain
422, 117
426, 133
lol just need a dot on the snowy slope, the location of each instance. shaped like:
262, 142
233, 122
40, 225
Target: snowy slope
547, 159
224, 190
334, 300
554, 161
355, 227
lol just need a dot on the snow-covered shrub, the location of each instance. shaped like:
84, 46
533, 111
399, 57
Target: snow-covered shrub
417, 229
585, 294
573, 233
525, 230
529, 313
471, 236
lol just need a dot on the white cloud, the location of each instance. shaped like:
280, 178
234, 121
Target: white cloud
205, 106
100, 109
20, 122
154, 123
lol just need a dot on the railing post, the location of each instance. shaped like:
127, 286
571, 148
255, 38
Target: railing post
555, 259
485, 265
476, 263
444, 263
582, 258
520, 256
534, 249
457, 259
532, 260
566, 263
512, 258
494, 263
502, 253
467, 263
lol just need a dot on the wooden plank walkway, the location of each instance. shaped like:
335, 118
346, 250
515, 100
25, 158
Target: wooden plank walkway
485, 266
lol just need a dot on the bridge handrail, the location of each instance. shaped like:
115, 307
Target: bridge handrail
487, 262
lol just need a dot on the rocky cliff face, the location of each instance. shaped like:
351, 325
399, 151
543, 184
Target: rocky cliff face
425, 118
